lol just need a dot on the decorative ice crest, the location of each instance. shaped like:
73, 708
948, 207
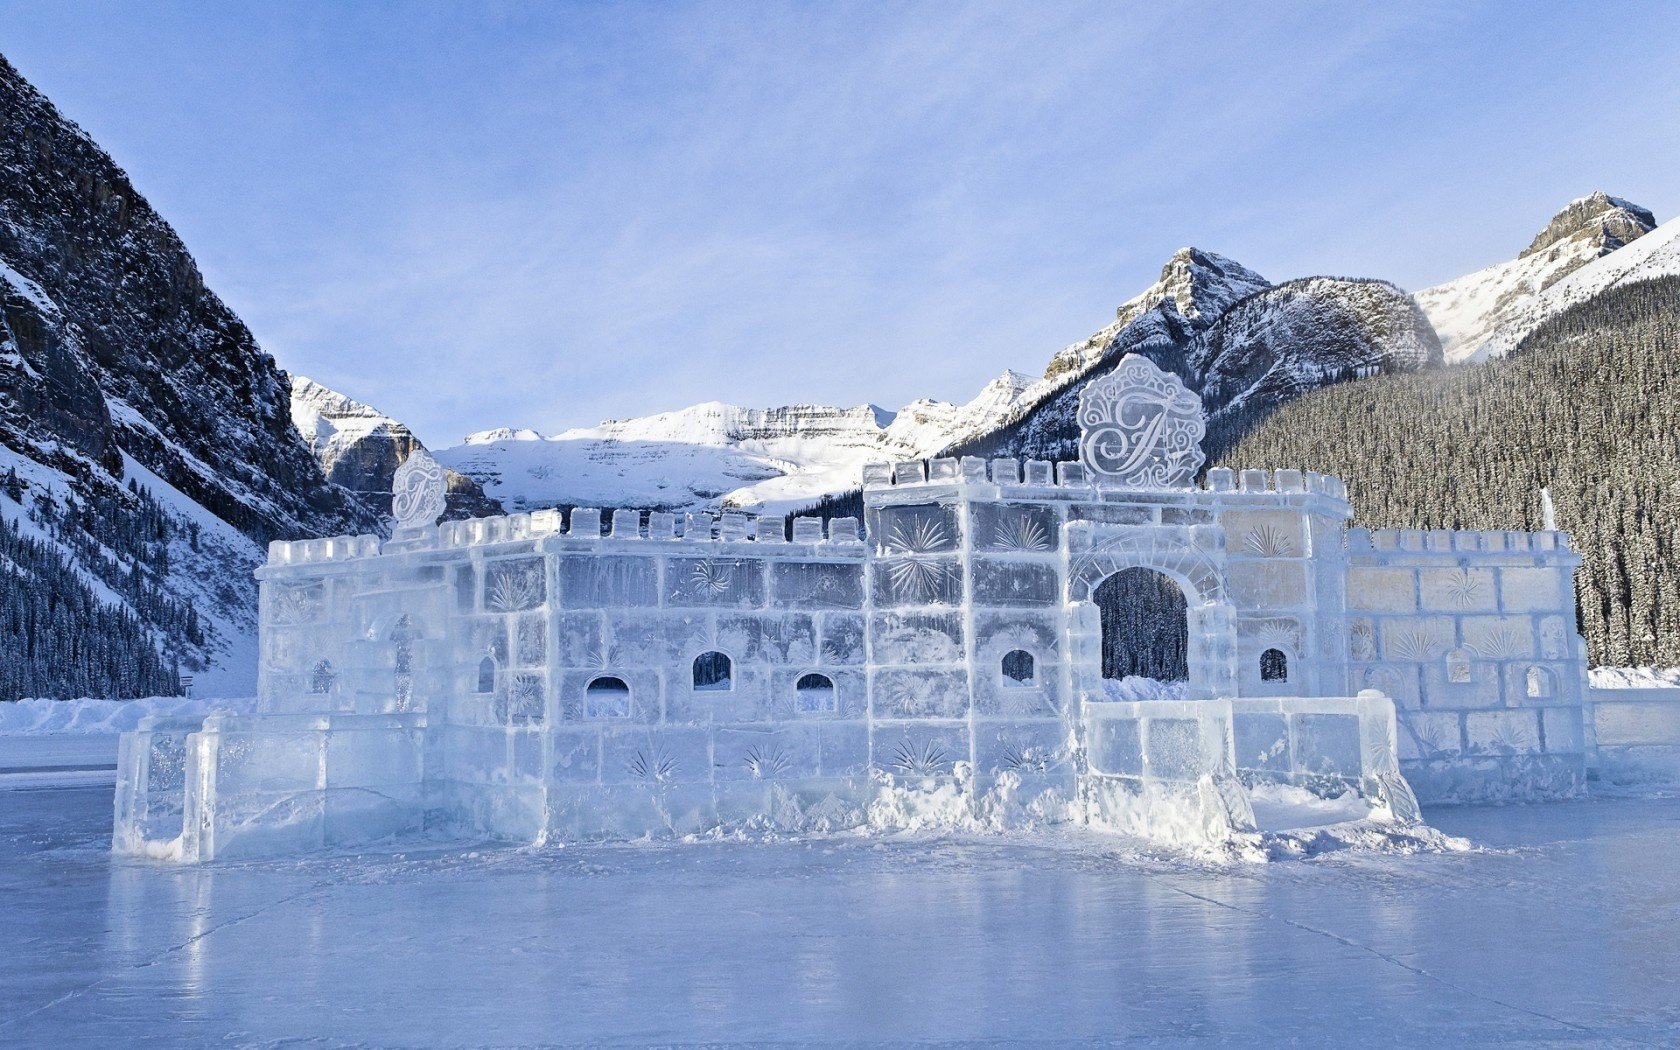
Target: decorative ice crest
1140, 428
417, 491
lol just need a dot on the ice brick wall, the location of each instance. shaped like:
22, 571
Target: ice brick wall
1286, 572
966, 622
1473, 634
698, 676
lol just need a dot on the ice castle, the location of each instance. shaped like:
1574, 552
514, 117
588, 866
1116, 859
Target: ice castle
1106, 641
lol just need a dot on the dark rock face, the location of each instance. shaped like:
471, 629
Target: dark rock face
128, 347
1301, 335
1194, 288
1245, 355
360, 449
147, 440
1605, 221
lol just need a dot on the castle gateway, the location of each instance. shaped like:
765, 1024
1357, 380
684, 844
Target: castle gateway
1105, 641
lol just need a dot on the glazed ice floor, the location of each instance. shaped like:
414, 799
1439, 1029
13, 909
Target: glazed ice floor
1566, 926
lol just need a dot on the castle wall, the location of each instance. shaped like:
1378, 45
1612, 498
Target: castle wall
502, 633
1474, 635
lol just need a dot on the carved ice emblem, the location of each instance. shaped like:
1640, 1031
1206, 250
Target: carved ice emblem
417, 491
1140, 428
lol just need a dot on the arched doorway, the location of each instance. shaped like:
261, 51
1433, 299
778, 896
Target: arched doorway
1145, 626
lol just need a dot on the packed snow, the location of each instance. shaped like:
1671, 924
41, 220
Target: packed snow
1635, 677
1561, 924
24, 718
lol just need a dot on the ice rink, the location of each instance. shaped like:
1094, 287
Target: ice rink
1563, 925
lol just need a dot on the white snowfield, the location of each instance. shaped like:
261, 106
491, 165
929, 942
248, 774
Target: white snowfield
1488, 313
775, 460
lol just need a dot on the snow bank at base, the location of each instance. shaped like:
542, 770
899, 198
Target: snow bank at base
1363, 836
1132, 687
1635, 677
911, 809
87, 715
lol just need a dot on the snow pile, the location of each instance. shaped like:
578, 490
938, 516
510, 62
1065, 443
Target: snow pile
90, 716
1132, 687
1635, 677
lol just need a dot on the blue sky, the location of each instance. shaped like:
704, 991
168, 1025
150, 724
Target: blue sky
541, 215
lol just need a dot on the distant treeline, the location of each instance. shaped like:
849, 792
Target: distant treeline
58, 640
1588, 406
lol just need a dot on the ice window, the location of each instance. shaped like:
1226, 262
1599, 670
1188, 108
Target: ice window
1540, 683
607, 697
487, 675
814, 693
1018, 668
1458, 665
712, 671
321, 679
1274, 666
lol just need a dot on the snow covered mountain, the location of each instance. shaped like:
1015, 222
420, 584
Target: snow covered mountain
1485, 313
1194, 288
775, 459
1301, 335
782, 459
1656, 254
1244, 356
146, 445
360, 448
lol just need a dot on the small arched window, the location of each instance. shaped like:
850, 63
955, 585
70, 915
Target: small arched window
607, 697
1274, 666
487, 675
1540, 683
712, 671
1018, 669
814, 693
321, 679
1458, 665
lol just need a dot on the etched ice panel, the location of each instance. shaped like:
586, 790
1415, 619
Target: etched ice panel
1140, 428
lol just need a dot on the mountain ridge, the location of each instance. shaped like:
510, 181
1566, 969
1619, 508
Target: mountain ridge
147, 441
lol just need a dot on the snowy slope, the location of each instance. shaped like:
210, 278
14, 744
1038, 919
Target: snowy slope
1301, 335
774, 459
1475, 315
1657, 254
146, 445
360, 448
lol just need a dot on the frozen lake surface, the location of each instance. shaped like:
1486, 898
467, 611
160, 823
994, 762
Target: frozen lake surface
1564, 926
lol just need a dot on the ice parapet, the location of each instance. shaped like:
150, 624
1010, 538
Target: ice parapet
974, 646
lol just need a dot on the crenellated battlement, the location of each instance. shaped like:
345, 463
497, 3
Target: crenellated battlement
1037, 473
588, 523
330, 548
1462, 541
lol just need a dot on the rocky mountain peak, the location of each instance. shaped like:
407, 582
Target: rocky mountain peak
1200, 285
1194, 288
360, 448
1604, 221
